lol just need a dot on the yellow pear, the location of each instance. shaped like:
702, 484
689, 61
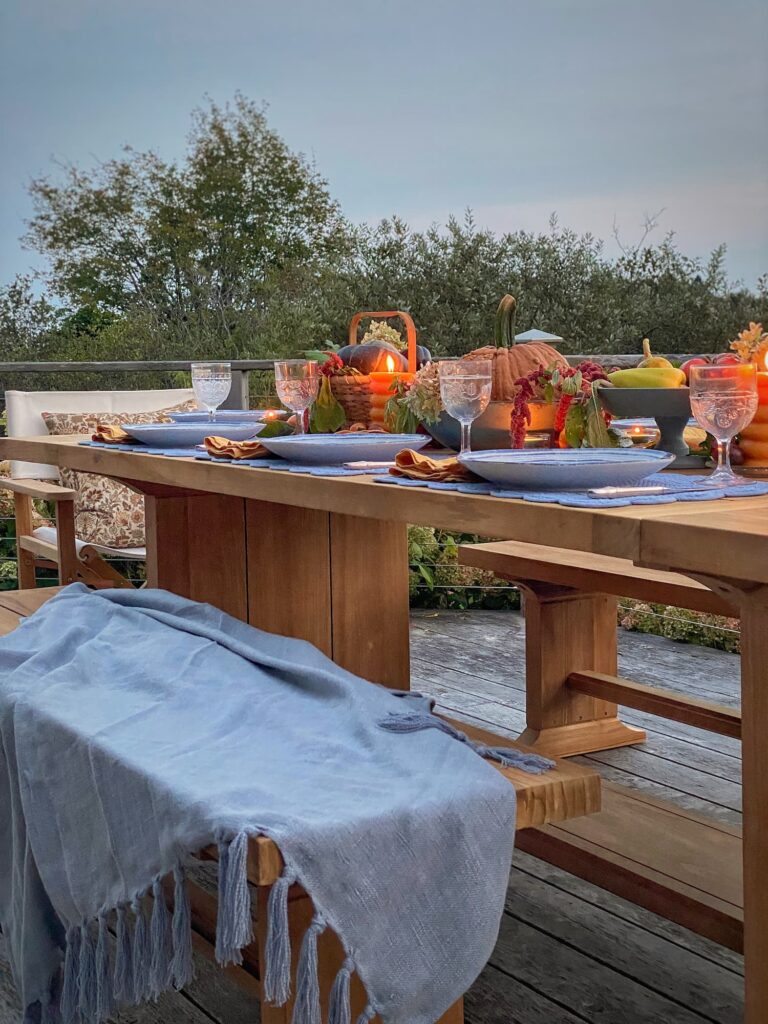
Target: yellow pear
649, 360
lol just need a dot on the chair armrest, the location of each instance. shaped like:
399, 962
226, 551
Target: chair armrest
42, 489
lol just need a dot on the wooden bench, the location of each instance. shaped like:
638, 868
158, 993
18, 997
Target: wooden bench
667, 859
566, 791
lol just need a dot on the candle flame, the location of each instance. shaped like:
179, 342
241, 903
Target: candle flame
390, 364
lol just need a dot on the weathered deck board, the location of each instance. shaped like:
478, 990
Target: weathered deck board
568, 952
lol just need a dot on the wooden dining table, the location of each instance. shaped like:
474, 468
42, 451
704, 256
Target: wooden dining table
324, 558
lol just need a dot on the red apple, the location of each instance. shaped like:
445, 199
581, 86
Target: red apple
726, 359
686, 366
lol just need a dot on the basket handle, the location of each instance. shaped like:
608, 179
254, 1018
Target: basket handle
410, 331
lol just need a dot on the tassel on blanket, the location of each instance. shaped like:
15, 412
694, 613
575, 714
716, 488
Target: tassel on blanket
306, 1008
182, 967
159, 942
338, 1004
234, 928
141, 954
105, 1003
277, 956
367, 1015
415, 721
87, 976
123, 980
70, 991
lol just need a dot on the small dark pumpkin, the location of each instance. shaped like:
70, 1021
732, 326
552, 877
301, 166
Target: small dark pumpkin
423, 356
373, 356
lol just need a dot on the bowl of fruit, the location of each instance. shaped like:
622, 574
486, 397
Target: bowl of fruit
655, 388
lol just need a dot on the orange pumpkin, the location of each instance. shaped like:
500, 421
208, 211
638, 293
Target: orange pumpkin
511, 363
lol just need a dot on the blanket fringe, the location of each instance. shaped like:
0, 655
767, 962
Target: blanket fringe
509, 757
123, 980
141, 952
277, 955
87, 979
234, 927
367, 1015
306, 1008
182, 967
105, 1002
160, 942
338, 1004
70, 992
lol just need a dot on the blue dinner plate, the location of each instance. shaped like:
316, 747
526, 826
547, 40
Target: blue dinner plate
187, 435
566, 469
335, 449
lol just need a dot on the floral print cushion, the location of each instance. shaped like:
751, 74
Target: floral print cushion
106, 512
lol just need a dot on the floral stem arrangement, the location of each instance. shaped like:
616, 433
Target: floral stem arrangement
580, 422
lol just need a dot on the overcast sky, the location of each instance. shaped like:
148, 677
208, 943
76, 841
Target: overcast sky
600, 110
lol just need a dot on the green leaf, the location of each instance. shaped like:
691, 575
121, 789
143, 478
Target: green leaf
327, 414
575, 425
276, 428
597, 434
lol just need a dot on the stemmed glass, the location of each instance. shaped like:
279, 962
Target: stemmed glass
724, 401
297, 382
212, 383
465, 391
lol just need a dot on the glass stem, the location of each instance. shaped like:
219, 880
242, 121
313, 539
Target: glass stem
465, 443
300, 422
210, 414
723, 456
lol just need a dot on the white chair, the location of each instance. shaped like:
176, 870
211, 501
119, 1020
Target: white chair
59, 547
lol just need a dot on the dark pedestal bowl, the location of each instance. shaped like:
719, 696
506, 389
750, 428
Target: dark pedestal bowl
670, 407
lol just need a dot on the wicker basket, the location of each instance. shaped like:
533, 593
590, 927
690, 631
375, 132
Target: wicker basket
353, 392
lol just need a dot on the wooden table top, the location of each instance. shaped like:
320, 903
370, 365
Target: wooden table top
726, 538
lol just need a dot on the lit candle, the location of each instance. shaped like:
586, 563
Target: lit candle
753, 439
382, 388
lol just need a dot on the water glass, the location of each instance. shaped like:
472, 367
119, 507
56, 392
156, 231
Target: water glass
212, 383
297, 382
724, 401
465, 391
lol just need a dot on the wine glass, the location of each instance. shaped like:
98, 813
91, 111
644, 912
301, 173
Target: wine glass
465, 391
212, 383
297, 382
724, 400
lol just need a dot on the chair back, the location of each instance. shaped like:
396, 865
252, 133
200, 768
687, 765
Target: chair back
25, 414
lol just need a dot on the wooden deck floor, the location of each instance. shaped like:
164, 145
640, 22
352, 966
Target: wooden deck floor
568, 952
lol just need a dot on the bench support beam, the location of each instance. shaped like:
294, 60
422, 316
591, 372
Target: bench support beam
567, 631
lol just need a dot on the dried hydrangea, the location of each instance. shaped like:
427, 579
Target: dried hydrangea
380, 330
423, 396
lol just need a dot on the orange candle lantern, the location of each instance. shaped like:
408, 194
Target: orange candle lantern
752, 345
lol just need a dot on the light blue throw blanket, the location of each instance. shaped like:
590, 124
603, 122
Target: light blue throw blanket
138, 727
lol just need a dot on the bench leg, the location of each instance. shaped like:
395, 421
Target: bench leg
330, 956
567, 631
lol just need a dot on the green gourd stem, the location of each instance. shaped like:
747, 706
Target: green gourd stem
504, 327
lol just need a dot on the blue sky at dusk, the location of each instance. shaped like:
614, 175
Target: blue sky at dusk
601, 110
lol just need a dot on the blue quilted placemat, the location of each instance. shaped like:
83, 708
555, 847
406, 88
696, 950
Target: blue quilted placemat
195, 453
580, 499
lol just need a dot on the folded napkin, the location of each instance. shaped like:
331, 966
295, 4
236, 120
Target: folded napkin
223, 448
416, 466
110, 434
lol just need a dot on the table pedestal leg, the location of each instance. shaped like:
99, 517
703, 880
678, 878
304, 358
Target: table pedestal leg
567, 631
754, 751
338, 581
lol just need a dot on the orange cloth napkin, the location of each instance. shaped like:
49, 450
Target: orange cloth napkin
223, 448
110, 434
416, 466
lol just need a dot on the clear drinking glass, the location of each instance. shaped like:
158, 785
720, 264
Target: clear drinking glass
724, 401
212, 383
465, 390
297, 382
